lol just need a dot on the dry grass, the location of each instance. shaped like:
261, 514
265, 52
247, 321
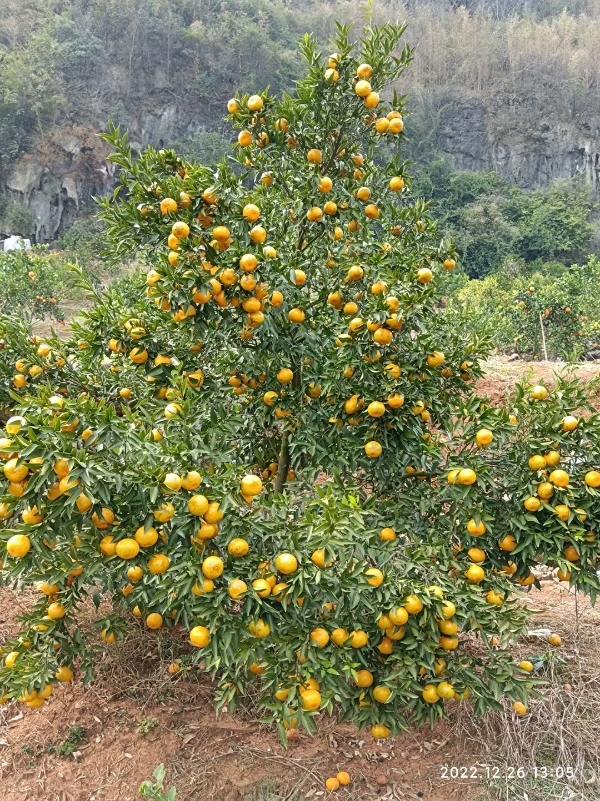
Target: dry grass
561, 730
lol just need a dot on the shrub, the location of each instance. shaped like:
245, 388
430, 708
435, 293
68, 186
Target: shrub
276, 448
513, 308
32, 283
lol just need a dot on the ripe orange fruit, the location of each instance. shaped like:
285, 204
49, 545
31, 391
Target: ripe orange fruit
339, 637
364, 678
237, 588
158, 563
259, 628
332, 784
538, 392
192, 478
296, 315
343, 778
251, 485
212, 567
447, 627
381, 694
238, 547
476, 555
592, 478
15, 472
154, 620
519, 708
358, 638
559, 478
320, 637
373, 449
445, 690
532, 504
380, 731
466, 476
387, 535
286, 563
475, 574
55, 611
255, 103
18, 545
413, 605
483, 437
362, 88
448, 609
375, 577
146, 539
554, 639
173, 482
135, 573
494, 598
476, 529
398, 616
571, 553
200, 636
526, 666
507, 543
127, 548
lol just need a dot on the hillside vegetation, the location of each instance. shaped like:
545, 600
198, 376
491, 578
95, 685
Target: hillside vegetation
80, 61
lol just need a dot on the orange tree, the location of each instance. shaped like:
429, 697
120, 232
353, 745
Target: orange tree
30, 282
554, 304
276, 447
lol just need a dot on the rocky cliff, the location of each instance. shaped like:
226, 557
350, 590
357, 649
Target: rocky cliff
51, 184
476, 139
69, 167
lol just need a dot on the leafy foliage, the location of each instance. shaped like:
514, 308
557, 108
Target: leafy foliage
513, 306
154, 789
494, 223
31, 283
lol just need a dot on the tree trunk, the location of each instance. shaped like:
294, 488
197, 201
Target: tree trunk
283, 464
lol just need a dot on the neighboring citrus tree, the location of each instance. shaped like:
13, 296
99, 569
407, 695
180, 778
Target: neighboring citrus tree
277, 447
31, 282
513, 308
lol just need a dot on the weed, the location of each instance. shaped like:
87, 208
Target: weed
155, 789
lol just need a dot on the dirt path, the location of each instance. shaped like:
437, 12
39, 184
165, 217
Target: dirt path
501, 374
